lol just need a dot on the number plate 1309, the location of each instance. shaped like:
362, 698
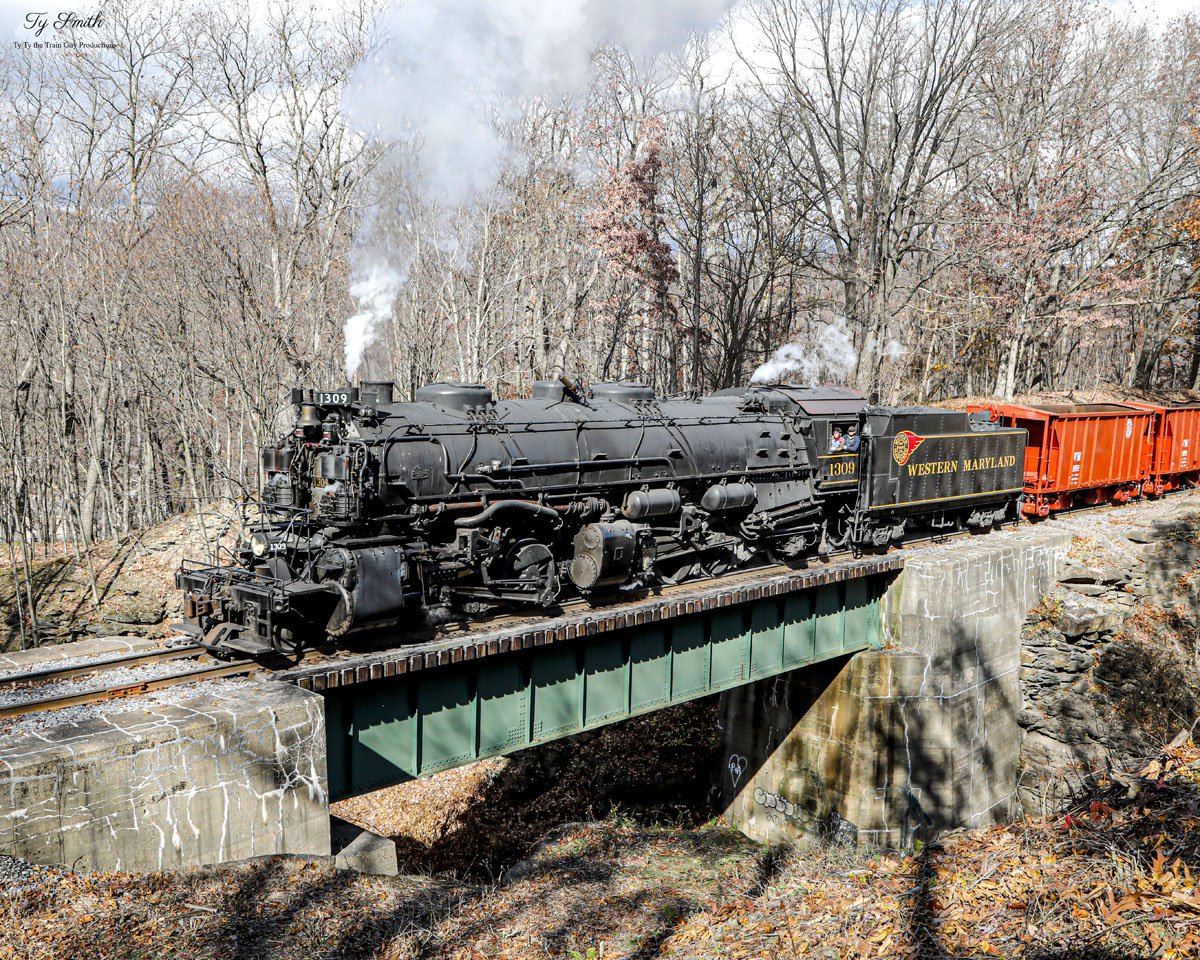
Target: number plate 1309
334, 398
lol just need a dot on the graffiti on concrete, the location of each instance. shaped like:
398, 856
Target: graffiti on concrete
737, 767
833, 828
781, 810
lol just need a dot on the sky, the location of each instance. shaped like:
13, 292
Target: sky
13, 12
1158, 9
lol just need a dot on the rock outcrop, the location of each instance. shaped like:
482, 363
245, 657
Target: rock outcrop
1108, 658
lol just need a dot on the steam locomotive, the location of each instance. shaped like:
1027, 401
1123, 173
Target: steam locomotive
375, 512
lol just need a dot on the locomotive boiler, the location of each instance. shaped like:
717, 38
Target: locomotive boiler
376, 511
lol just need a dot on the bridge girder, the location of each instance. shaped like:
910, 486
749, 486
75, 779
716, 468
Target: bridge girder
397, 728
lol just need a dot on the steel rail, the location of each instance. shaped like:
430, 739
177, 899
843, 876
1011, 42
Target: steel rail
51, 674
128, 689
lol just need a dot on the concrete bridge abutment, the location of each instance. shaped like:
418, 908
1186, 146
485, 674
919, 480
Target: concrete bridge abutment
214, 777
898, 744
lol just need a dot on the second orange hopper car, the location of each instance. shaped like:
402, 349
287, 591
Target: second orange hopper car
1175, 461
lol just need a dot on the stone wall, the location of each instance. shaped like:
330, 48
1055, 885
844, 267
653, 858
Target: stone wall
919, 737
217, 777
1108, 662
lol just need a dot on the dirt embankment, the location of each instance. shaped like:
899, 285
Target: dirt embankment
124, 586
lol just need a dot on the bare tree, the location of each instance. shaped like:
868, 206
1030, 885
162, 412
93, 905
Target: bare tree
867, 96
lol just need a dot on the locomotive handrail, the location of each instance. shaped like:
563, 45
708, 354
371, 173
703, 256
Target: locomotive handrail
232, 570
563, 465
278, 507
617, 423
484, 478
782, 470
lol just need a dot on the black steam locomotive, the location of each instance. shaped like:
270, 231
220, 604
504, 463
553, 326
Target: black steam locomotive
376, 511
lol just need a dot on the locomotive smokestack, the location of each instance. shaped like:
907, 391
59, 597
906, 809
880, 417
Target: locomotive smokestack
384, 390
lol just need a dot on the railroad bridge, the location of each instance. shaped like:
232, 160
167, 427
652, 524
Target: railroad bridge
404, 713
878, 695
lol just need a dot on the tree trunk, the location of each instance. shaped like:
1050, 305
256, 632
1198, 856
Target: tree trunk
91, 486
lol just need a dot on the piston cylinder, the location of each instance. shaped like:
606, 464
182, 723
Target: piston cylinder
605, 554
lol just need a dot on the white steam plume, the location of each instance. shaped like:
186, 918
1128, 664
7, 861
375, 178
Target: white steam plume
895, 351
447, 75
375, 288
831, 356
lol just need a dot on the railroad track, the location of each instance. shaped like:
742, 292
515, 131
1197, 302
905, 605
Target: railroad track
54, 675
448, 630
128, 689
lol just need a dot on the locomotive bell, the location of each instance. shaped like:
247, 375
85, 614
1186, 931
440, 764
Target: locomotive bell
309, 420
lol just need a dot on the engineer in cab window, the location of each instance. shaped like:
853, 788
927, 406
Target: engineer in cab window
851, 442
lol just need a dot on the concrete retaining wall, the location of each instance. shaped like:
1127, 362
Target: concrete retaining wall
919, 737
217, 777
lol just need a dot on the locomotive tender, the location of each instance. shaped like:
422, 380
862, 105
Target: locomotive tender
376, 511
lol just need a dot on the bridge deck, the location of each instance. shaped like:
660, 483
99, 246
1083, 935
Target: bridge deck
488, 639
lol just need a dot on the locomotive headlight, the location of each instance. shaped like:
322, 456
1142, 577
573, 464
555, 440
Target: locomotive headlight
259, 543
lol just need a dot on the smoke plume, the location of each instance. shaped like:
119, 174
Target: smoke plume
446, 77
895, 351
375, 288
830, 356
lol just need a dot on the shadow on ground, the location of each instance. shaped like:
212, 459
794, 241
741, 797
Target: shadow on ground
646, 770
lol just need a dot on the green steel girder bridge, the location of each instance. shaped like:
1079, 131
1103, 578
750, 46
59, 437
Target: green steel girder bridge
407, 712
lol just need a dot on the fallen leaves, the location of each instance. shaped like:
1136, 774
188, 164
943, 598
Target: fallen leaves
1113, 875
1119, 878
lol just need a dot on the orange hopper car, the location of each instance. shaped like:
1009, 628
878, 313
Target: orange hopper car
1083, 453
1175, 461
